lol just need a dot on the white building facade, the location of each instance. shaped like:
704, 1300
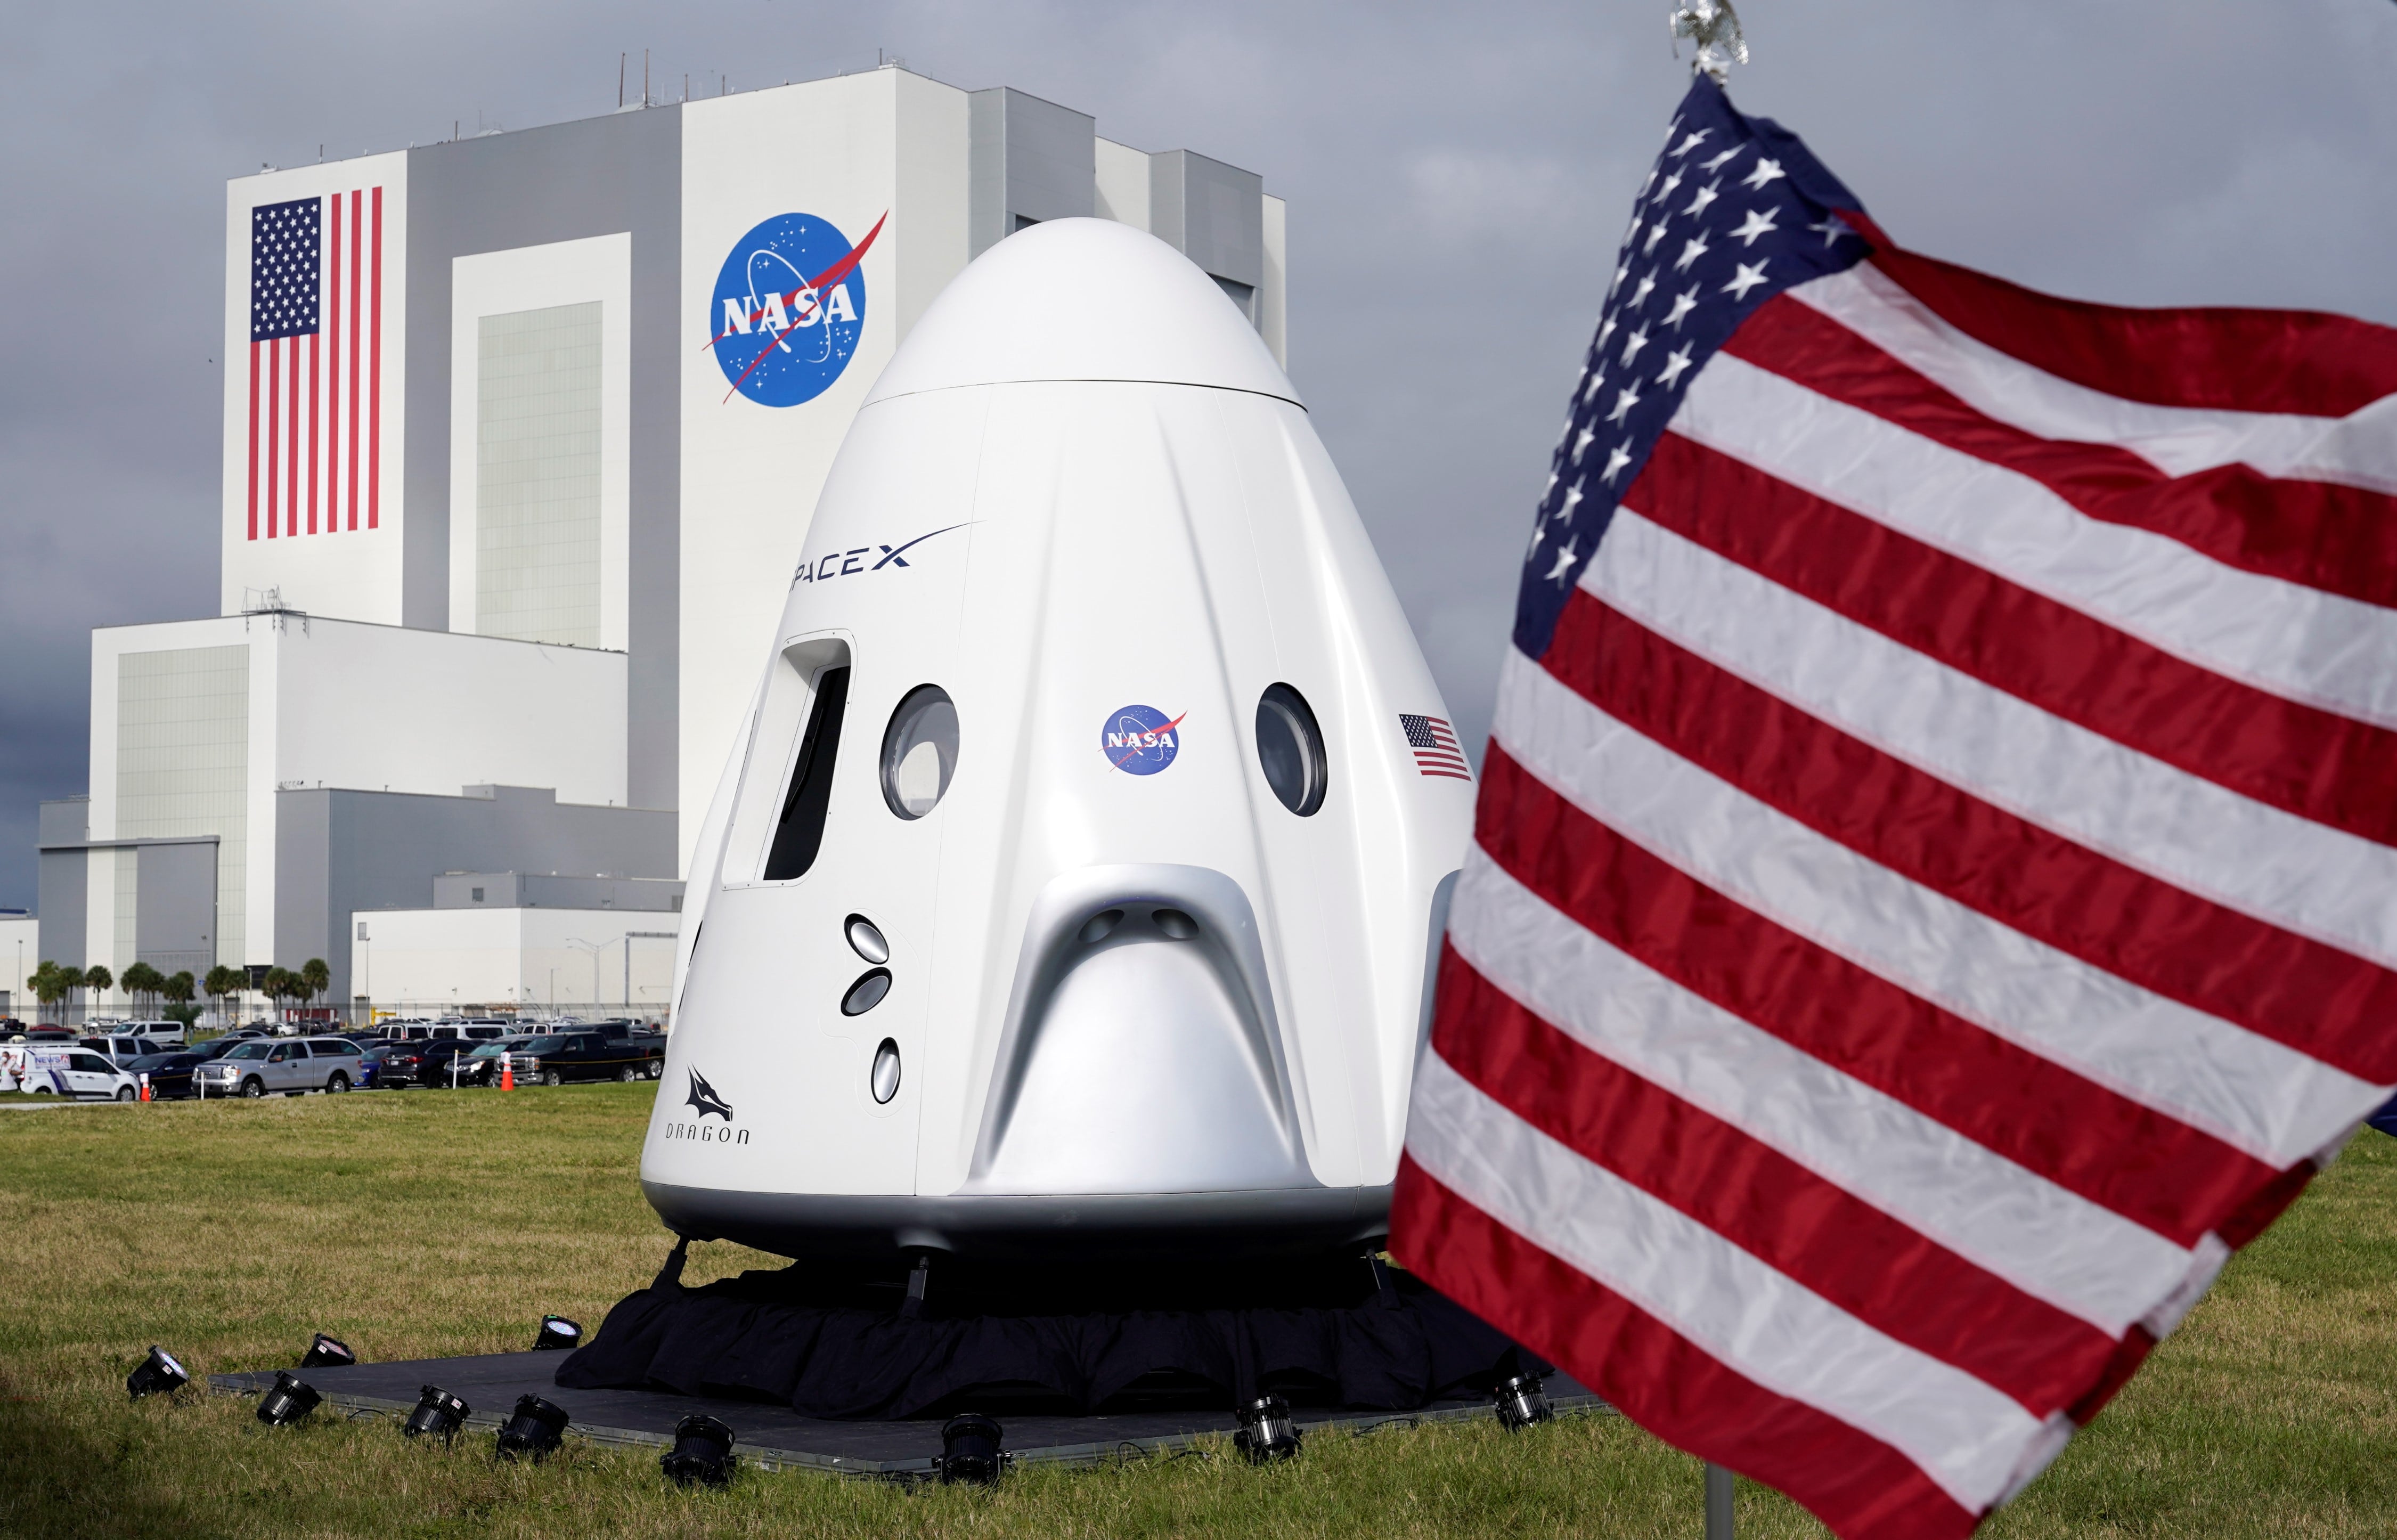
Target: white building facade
522, 435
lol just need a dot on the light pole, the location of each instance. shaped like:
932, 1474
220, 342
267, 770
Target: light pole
595, 947
365, 971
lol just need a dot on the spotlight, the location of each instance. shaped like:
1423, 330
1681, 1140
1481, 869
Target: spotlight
158, 1371
970, 1450
437, 1412
537, 1429
1267, 1432
328, 1353
1522, 1401
557, 1333
287, 1400
702, 1453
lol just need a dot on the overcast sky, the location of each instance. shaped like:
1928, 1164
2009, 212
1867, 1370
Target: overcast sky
1457, 176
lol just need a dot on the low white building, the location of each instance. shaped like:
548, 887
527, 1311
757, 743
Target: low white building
21, 948
510, 941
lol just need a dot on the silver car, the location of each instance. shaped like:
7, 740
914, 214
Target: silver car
291, 1065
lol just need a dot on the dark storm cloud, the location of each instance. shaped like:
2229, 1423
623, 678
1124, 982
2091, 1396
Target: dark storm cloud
1457, 177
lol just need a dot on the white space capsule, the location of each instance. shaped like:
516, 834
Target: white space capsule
1075, 883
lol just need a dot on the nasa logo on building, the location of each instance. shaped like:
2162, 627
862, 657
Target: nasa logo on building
789, 309
1141, 740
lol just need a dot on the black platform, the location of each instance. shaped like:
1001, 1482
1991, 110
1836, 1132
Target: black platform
776, 1438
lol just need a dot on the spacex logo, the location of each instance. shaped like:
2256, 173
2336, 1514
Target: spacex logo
788, 310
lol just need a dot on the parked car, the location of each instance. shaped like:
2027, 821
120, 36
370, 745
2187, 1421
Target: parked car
424, 1063
482, 1065
122, 1050
43, 1035
172, 1034
555, 1058
169, 1073
290, 1066
66, 1070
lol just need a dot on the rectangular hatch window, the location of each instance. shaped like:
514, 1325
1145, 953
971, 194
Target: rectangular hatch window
798, 834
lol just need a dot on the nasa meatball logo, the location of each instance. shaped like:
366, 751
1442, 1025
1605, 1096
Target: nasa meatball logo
1141, 740
789, 309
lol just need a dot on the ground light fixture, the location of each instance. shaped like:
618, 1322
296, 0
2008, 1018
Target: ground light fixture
536, 1429
438, 1414
158, 1371
289, 1400
1522, 1401
556, 1335
971, 1450
702, 1454
328, 1353
1267, 1432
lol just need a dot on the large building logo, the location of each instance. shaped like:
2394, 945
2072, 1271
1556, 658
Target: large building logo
789, 309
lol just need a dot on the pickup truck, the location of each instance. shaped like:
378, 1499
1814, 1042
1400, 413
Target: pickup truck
591, 1055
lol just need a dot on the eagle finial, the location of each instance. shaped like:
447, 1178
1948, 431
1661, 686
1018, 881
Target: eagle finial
1714, 27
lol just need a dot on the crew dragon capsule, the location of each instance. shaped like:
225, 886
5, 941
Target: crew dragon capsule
1076, 885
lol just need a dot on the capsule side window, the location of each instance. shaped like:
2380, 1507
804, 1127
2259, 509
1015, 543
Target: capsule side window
919, 752
1289, 750
798, 833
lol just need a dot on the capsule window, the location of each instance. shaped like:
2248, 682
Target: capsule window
798, 834
865, 939
886, 1071
866, 993
919, 752
1290, 749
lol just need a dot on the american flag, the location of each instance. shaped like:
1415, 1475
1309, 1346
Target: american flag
1930, 895
315, 364
1437, 750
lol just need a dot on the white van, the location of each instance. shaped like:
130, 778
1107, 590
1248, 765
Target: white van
172, 1034
43, 1070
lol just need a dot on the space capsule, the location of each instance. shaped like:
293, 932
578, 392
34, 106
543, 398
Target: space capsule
1076, 883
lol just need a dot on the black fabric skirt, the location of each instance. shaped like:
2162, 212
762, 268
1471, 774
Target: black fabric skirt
829, 1348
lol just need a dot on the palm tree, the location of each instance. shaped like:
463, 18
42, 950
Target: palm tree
317, 977
99, 981
178, 988
141, 980
279, 983
222, 982
52, 984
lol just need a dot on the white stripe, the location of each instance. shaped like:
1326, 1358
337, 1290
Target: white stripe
2360, 451
2247, 855
2295, 641
1965, 1436
2261, 1097
2010, 1222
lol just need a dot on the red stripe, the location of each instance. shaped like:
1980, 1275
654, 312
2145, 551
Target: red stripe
1875, 1268
2341, 540
333, 367
2314, 997
1862, 1488
2215, 359
374, 382
274, 417
291, 448
312, 430
253, 438
2053, 1123
2300, 758
357, 243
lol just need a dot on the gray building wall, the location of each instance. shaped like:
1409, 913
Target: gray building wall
1215, 214
1028, 160
566, 182
63, 883
542, 890
175, 906
337, 852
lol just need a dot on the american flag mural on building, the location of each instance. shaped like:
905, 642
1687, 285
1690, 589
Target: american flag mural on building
315, 364
1931, 894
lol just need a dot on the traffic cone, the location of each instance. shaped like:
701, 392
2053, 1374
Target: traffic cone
507, 1074
145, 1087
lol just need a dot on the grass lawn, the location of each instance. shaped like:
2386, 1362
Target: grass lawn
431, 1223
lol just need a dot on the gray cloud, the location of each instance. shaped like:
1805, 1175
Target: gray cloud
1457, 177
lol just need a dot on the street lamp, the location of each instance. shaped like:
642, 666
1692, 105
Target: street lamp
595, 947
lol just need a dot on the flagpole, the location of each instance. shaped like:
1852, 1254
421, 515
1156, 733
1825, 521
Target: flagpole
1714, 28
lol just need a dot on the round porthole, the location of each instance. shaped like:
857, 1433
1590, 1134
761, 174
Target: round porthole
919, 752
886, 1071
866, 993
865, 939
1290, 749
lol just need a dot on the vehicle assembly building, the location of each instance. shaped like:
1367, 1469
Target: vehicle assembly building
522, 437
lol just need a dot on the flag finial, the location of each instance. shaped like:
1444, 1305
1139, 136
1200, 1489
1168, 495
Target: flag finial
1714, 27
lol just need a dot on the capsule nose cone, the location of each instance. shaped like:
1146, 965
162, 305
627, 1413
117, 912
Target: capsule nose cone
1082, 299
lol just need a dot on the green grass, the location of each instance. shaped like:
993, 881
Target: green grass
427, 1224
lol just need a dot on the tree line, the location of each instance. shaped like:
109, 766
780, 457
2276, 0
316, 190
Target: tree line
52, 984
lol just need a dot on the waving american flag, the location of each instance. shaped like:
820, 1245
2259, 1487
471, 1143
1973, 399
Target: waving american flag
1931, 898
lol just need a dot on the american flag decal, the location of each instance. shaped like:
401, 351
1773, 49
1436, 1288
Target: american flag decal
1437, 750
315, 364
